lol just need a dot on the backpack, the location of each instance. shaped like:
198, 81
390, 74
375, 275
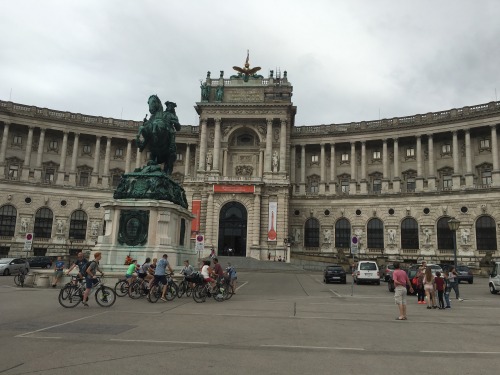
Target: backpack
87, 267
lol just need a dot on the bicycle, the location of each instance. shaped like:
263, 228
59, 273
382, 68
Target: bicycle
202, 291
157, 288
121, 287
138, 288
71, 295
185, 287
19, 278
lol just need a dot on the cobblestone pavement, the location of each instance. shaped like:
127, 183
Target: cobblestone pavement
277, 323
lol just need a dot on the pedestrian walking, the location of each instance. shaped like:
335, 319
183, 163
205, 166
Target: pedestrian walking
439, 282
420, 283
233, 278
447, 289
453, 279
400, 279
429, 289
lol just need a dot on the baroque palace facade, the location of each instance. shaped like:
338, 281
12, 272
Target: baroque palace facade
257, 183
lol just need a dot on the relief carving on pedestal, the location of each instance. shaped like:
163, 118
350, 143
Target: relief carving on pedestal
244, 170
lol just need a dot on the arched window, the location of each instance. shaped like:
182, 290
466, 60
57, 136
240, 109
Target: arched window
78, 225
375, 234
311, 233
486, 233
43, 223
409, 233
342, 233
8, 216
444, 234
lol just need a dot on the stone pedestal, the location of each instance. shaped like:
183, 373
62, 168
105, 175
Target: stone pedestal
144, 228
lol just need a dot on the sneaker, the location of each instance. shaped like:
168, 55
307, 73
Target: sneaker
424, 303
460, 299
420, 302
85, 303
448, 307
163, 299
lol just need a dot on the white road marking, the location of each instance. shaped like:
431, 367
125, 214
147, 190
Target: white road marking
59, 325
242, 285
162, 342
334, 292
39, 337
455, 352
310, 347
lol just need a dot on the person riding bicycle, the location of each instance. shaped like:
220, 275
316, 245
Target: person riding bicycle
131, 274
143, 270
160, 275
188, 271
90, 276
218, 272
81, 263
207, 272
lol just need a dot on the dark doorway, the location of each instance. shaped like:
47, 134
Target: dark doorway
233, 230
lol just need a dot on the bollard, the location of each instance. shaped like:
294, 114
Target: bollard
43, 281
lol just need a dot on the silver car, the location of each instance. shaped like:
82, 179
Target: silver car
12, 266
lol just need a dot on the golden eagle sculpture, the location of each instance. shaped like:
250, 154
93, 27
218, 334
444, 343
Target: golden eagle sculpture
246, 72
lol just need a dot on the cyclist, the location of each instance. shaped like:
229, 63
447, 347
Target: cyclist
206, 272
151, 272
160, 274
81, 263
90, 276
131, 274
218, 272
188, 271
143, 270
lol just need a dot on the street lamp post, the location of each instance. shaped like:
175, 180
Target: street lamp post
454, 224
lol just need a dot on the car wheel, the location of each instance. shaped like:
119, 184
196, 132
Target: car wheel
6, 272
358, 282
378, 282
344, 281
492, 289
325, 281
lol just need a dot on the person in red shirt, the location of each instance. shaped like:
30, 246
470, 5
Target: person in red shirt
439, 281
400, 279
218, 271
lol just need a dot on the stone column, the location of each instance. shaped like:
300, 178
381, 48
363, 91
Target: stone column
283, 136
269, 147
62, 161
385, 167
363, 183
3, 148
293, 152
261, 163
353, 183
224, 162
39, 156
303, 169
495, 173
456, 153
469, 176
27, 155
216, 166
210, 218
128, 156
74, 156
203, 146
419, 181
322, 178
186, 161
97, 155
396, 181
431, 179
107, 157
138, 158
333, 173
256, 219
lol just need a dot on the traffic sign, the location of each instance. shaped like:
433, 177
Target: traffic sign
354, 245
200, 244
28, 241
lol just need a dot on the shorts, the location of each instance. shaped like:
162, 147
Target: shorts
142, 275
400, 295
58, 273
209, 280
127, 276
428, 288
90, 282
160, 278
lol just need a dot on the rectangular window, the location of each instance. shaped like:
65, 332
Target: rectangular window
344, 186
119, 152
410, 152
486, 178
49, 176
410, 185
314, 158
84, 179
14, 172
17, 140
484, 144
314, 188
53, 145
376, 155
116, 180
447, 182
179, 157
86, 149
4, 251
446, 148
377, 186
345, 157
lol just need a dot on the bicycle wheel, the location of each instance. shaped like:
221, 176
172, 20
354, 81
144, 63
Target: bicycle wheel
219, 293
183, 287
17, 280
154, 293
189, 290
105, 296
70, 296
121, 288
172, 291
229, 291
135, 290
199, 293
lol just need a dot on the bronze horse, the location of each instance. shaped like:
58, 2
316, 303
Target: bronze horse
159, 133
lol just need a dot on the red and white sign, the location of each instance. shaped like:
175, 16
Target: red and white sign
234, 189
195, 223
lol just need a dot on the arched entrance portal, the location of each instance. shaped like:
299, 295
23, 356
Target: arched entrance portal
233, 229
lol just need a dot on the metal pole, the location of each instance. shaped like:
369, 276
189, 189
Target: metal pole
352, 276
455, 249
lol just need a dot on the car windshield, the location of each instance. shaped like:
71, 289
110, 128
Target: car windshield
435, 267
390, 266
338, 268
412, 273
368, 267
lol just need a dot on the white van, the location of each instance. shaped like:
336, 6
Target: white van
367, 272
494, 281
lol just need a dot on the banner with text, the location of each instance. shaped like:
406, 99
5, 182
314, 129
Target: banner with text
196, 210
271, 228
234, 189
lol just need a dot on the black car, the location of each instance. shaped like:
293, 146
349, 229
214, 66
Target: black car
333, 273
411, 272
40, 261
464, 273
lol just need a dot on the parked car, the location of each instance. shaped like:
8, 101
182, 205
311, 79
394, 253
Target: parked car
389, 269
12, 266
494, 280
411, 272
367, 272
465, 274
333, 273
40, 261
435, 268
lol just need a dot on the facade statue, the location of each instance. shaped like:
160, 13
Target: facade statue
210, 160
392, 236
245, 73
94, 228
24, 225
327, 236
427, 234
60, 226
275, 161
221, 74
464, 235
219, 93
159, 133
205, 91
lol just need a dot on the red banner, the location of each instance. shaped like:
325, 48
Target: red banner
234, 189
195, 224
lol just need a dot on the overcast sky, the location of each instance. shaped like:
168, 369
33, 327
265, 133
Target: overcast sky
347, 60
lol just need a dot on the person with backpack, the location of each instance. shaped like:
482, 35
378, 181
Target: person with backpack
90, 276
81, 263
233, 278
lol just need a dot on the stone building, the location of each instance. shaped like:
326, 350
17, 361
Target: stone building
258, 183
